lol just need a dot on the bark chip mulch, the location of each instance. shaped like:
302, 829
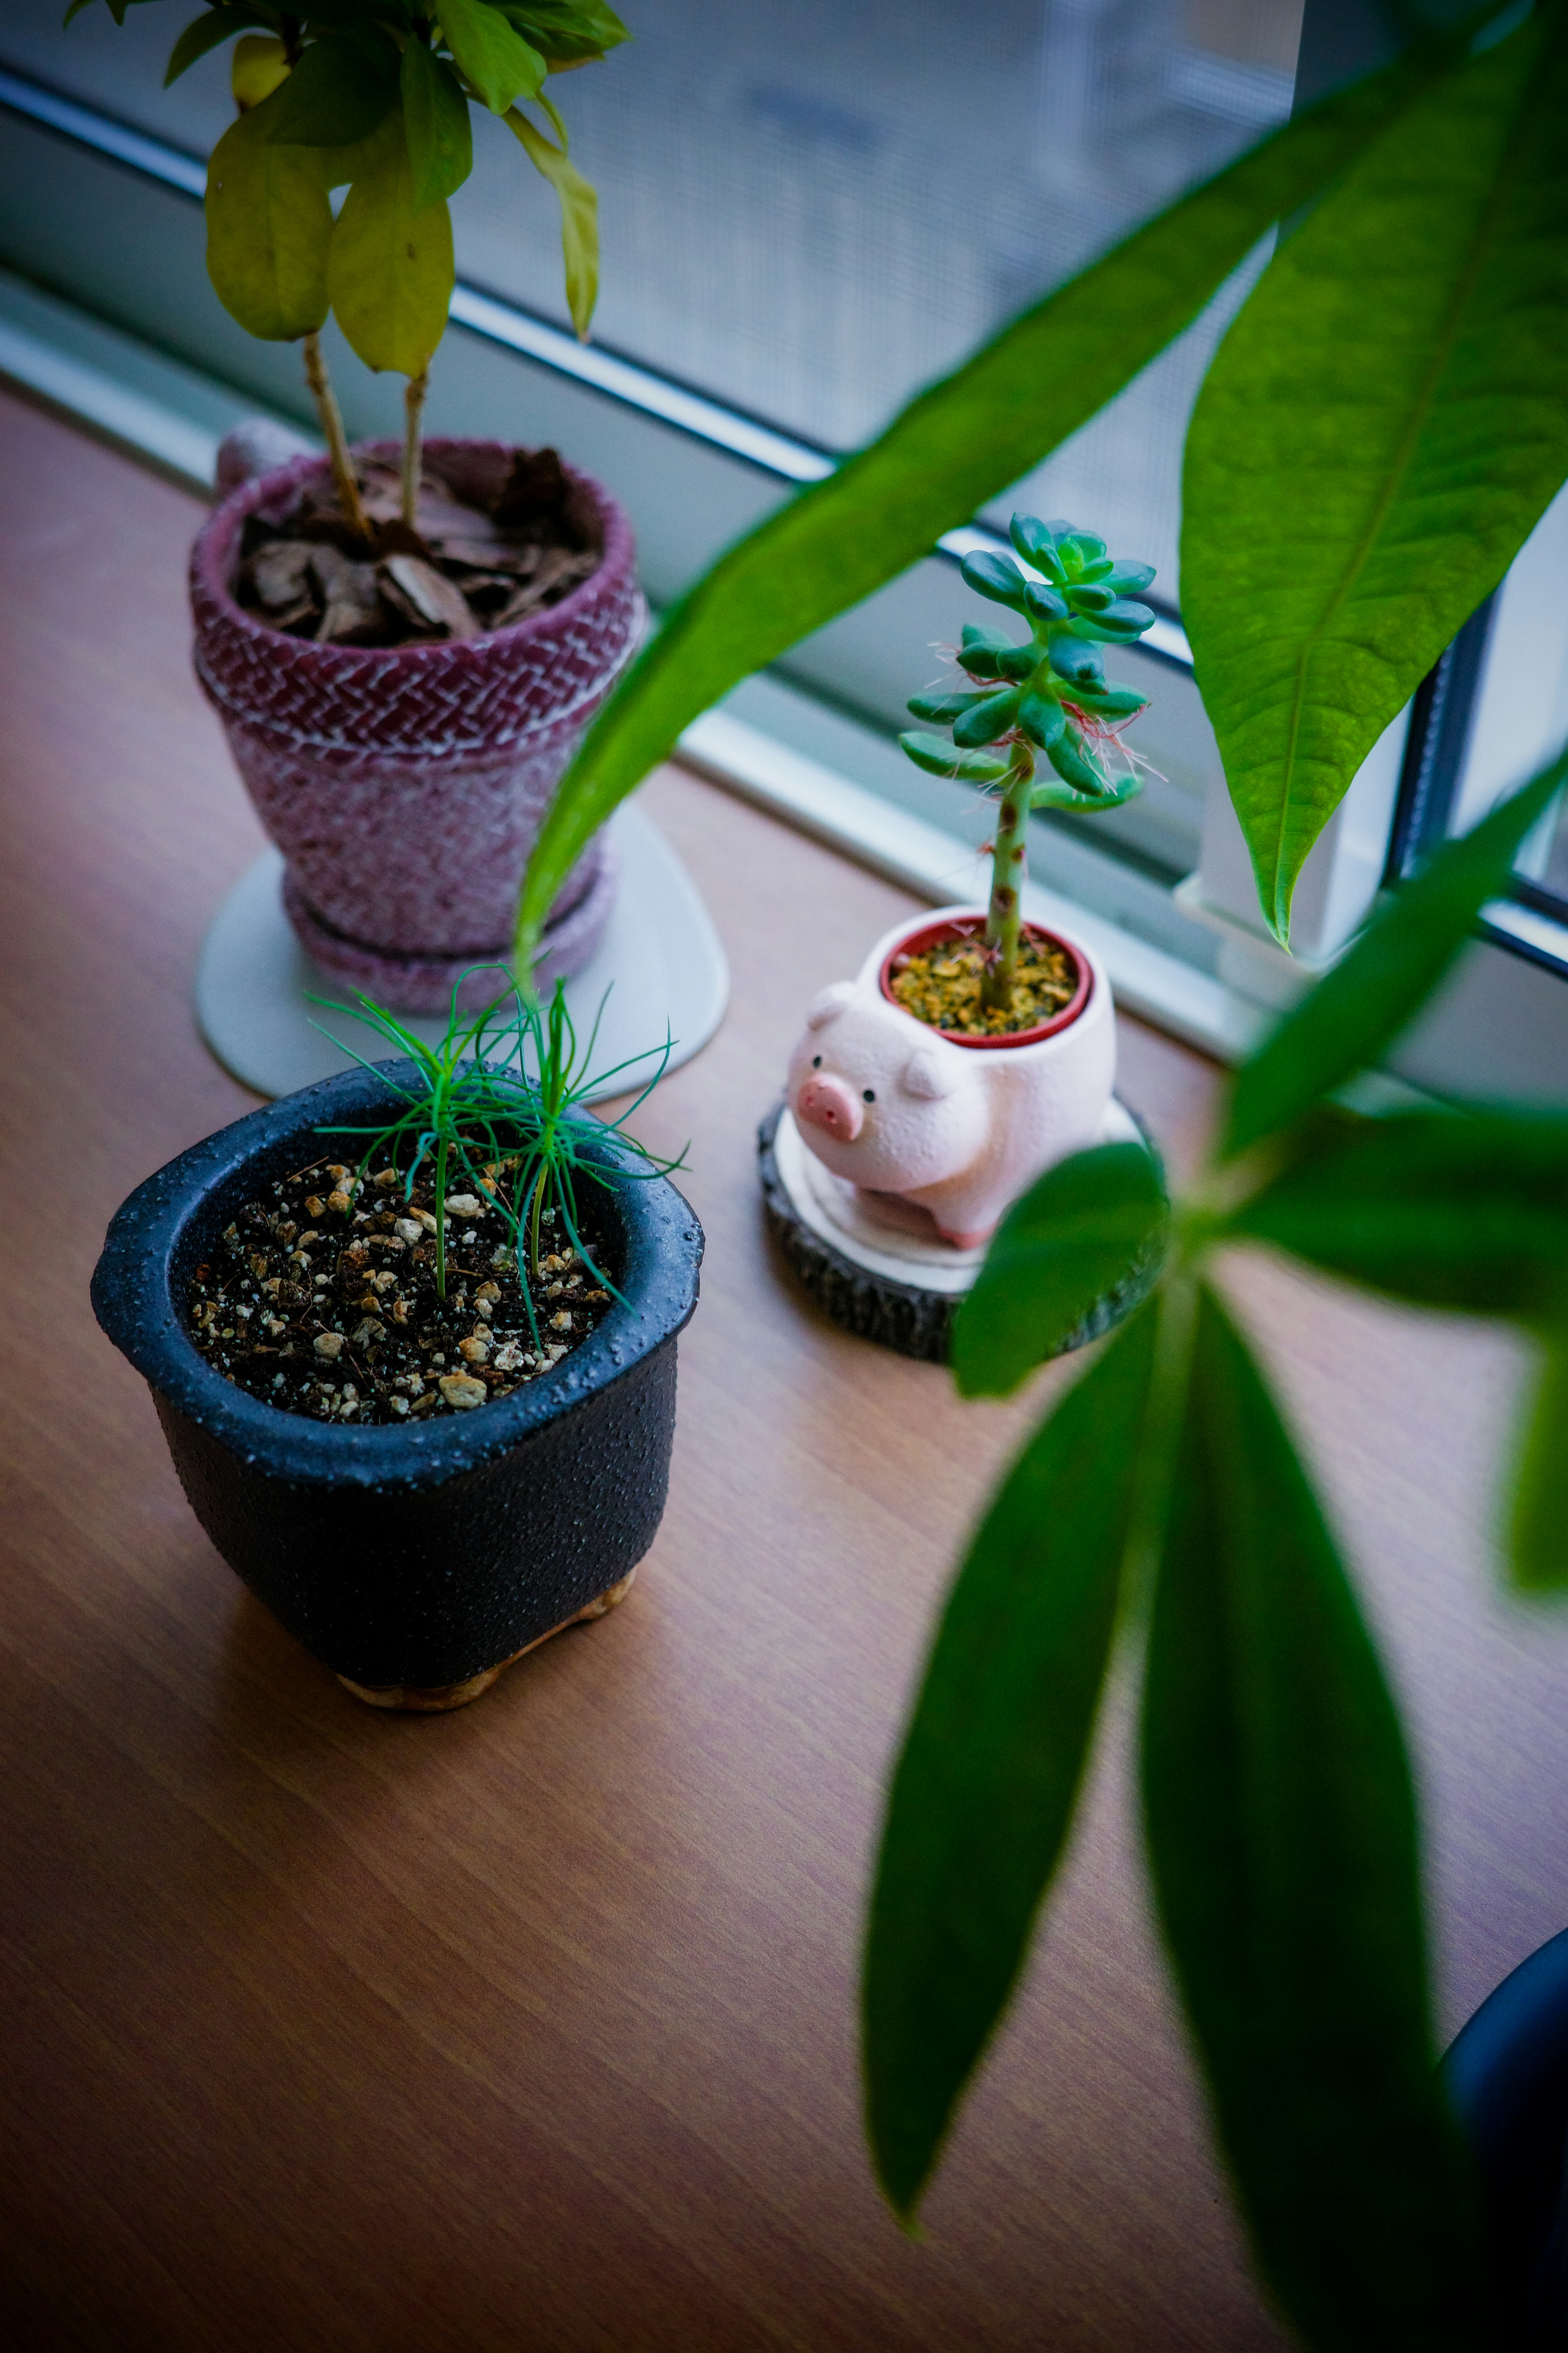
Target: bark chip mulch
520, 540
321, 1299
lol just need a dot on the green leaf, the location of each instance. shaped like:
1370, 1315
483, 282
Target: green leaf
1282, 1840
344, 87
1538, 1530
435, 124
492, 54
945, 456
579, 218
1364, 1003
1076, 763
984, 1792
1090, 1223
390, 269
269, 227
208, 31
939, 758
1459, 1210
992, 716
566, 32
1379, 432
1050, 795
1042, 718
944, 708
997, 577
1036, 544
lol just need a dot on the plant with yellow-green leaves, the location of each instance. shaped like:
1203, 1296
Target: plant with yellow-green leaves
374, 96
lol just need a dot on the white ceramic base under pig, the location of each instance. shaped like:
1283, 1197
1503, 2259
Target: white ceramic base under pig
659, 959
841, 1214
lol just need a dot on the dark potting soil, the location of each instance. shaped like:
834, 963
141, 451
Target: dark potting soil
322, 1301
942, 986
520, 539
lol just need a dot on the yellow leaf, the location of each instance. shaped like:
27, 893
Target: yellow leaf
268, 229
261, 63
579, 218
390, 269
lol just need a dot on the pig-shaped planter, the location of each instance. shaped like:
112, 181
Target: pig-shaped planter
958, 1129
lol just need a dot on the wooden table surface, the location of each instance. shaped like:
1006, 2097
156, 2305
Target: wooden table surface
534, 2026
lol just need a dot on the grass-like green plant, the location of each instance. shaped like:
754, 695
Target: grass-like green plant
517, 1137
1161, 1510
1046, 695
373, 95
1382, 427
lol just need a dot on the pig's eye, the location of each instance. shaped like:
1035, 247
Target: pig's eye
816, 1061
871, 1095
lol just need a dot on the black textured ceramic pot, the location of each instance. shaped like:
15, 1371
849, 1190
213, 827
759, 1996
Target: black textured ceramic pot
415, 1563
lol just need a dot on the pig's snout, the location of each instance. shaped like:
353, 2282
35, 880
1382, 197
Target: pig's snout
828, 1103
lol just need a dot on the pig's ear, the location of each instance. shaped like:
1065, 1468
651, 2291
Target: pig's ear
927, 1075
822, 1008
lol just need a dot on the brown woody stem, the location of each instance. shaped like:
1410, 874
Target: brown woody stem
327, 409
1004, 917
412, 444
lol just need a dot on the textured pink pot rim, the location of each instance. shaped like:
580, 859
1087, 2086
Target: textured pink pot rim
965, 927
216, 542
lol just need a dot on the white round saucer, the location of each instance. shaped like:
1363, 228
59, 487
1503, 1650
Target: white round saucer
901, 1248
659, 960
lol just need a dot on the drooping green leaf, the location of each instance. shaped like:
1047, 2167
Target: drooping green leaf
1089, 1223
566, 32
1282, 1840
1076, 763
435, 124
208, 31
492, 53
344, 86
950, 450
1364, 1003
390, 269
1459, 1210
1538, 1521
1379, 432
269, 227
1042, 718
579, 218
984, 1792
940, 759
1051, 793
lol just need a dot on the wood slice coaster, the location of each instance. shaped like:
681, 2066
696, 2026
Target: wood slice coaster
900, 1285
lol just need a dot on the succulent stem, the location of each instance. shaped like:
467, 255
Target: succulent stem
1004, 918
333, 432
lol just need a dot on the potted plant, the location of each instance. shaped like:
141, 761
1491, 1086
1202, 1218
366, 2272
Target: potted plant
975, 1049
403, 645
421, 1398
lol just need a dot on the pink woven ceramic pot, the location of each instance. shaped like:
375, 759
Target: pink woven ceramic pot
406, 785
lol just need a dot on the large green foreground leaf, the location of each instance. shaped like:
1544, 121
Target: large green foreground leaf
1282, 1840
1537, 1532
1081, 1228
954, 447
1464, 1211
985, 1789
1379, 432
1361, 1006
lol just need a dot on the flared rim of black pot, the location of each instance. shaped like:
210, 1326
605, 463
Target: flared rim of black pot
159, 1236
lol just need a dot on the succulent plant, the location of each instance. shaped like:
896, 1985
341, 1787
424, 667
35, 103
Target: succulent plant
1048, 694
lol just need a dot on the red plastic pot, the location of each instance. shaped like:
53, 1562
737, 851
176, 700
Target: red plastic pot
406, 785
945, 928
